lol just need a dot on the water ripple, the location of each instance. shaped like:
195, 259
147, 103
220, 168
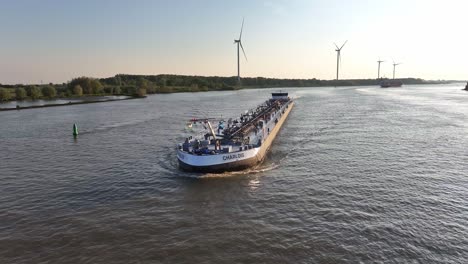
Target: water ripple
357, 175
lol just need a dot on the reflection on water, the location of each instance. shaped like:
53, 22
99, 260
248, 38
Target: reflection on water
254, 184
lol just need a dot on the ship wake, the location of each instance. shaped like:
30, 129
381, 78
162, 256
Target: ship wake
250, 171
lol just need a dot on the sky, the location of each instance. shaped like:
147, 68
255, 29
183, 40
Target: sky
57, 40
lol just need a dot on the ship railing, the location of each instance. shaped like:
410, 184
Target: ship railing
265, 112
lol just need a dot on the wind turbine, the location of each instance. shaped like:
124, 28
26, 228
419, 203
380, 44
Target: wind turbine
394, 66
239, 43
338, 58
378, 69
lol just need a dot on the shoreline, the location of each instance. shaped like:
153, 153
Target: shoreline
66, 104
182, 91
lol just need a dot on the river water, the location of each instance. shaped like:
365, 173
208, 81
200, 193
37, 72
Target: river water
357, 174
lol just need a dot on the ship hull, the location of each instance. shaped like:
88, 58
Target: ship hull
219, 168
390, 83
234, 161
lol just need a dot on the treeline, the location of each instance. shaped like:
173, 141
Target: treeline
140, 85
166, 83
34, 92
81, 86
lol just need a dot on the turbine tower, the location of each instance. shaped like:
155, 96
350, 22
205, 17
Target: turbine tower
394, 66
378, 69
239, 43
338, 58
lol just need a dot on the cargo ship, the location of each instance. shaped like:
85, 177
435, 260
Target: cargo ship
236, 144
390, 83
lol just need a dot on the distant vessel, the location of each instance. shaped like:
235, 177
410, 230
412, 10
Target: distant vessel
390, 83
466, 87
242, 144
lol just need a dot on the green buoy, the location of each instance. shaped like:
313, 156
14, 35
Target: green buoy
75, 130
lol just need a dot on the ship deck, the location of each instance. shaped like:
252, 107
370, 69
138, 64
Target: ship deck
242, 135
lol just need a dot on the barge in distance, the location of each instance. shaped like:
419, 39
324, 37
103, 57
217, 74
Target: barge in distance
390, 83
238, 144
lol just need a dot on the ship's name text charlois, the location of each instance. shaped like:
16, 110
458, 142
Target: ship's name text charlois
233, 156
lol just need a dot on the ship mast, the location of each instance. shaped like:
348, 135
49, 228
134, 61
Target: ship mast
211, 129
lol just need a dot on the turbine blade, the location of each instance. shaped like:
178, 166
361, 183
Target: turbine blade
343, 44
336, 46
243, 51
242, 27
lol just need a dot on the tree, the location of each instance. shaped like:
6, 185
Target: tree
34, 92
117, 90
4, 94
84, 82
151, 89
142, 83
49, 91
141, 92
20, 93
131, 90
96, 86
109, 89
77, 90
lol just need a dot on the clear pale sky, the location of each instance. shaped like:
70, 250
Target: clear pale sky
57, 40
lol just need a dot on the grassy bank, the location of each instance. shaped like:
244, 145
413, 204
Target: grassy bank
67, 104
